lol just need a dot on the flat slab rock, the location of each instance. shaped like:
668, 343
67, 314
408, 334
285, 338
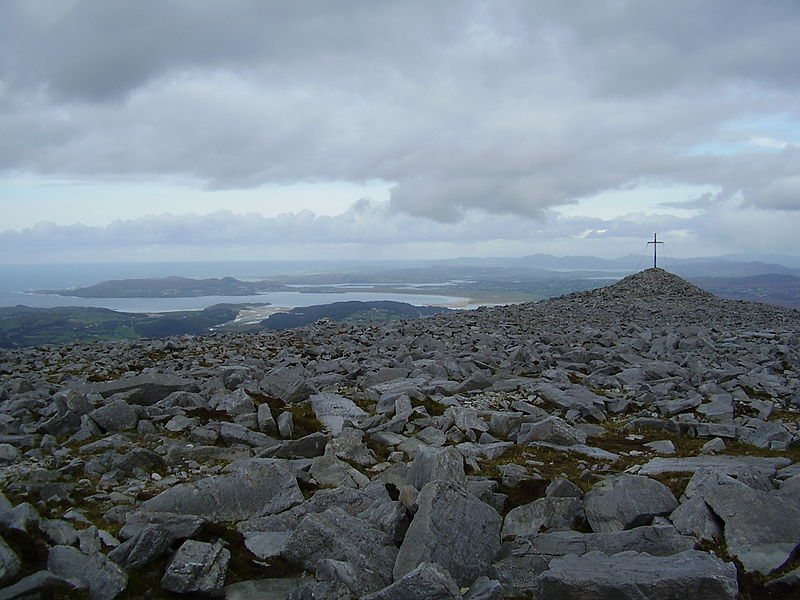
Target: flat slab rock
730, 465
626, 501
264, 490
638, 576
332, 410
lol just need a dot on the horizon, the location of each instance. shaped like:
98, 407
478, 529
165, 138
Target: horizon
414, 131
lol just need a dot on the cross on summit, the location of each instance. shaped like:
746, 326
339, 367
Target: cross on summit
655, 243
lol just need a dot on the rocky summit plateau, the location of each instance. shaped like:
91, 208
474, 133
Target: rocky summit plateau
638, 441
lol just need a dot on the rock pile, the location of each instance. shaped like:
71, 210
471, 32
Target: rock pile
638, 441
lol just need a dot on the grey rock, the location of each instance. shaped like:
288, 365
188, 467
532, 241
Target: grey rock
437, 464
320, 590
484, 588
328, 470
59, 532
723, 464
307, 446
334, 534
267, 544
390, 516
333, 410
762, 530
233, 433
626, 501
694, 517
563, 488
551, 430
103, 577
9, 562
288, 383
197, 567
143, 548
662, 446
149, 388
20, 518
179, 526
9, 454
429, 581
357, 580
544, 514
117, 415
266, 423
266, 490
285, 424
573, 397
263, 589
720, 408
236, 403
636, 576
41, 584
452, 528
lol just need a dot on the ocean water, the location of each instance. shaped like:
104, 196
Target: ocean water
17, 282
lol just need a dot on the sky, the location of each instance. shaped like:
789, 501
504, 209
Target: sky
161, 130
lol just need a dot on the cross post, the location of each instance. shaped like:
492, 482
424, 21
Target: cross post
655, 243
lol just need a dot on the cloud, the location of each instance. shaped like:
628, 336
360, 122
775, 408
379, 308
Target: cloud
509, 108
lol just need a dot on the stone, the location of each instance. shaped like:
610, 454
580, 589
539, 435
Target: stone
429, 581
9, 562
563, 488
626, 501
334, 534
694, 517
333, 410
437, 464
143, 548
179, 526
117, 415
197, 567
544, 514
266, 544
328, 470
762, 530
236, 403
148, 388
551, 430
452, 528
307, 446
266, 423
265, 490
233, 433
285, 424
723, 464
661, 446
358, 581
102, 576
41, 584
484, 588
638, 576
263, 589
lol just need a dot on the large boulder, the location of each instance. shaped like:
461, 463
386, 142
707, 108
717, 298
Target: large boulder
452, 528
333, 411
428, 581
637, 576
117, 415
437, 464
104, 579
266, 489
197, 567
336, 535
149, 387
626, 501
544, 514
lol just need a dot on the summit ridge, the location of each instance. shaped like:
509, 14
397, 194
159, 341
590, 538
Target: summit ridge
508, 450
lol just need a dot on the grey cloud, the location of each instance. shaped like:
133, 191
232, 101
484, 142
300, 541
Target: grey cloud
507, 107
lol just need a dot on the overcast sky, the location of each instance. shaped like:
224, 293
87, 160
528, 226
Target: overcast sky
199, 129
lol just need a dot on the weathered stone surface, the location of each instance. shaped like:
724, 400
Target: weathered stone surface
626, 501
636, 576
103, 577
143, 548
263, 589
149, 388
117, 415
333, 410
429, 581
9, 562
484, 588
197, 567
437, 464
451, 528
544, 514
179, 526
762, 530
552, 430
267, 544
334, 534
729, 465
265, 490
328, 470
42, 584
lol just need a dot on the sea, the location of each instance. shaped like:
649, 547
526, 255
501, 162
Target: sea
18, 282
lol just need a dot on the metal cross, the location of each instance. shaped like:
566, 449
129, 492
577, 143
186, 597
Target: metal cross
655, 243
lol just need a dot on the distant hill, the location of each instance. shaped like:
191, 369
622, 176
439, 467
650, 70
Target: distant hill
169, 287
772, 288
350, 312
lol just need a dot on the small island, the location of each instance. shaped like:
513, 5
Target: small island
170, 287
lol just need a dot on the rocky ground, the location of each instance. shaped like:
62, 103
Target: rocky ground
638, 441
